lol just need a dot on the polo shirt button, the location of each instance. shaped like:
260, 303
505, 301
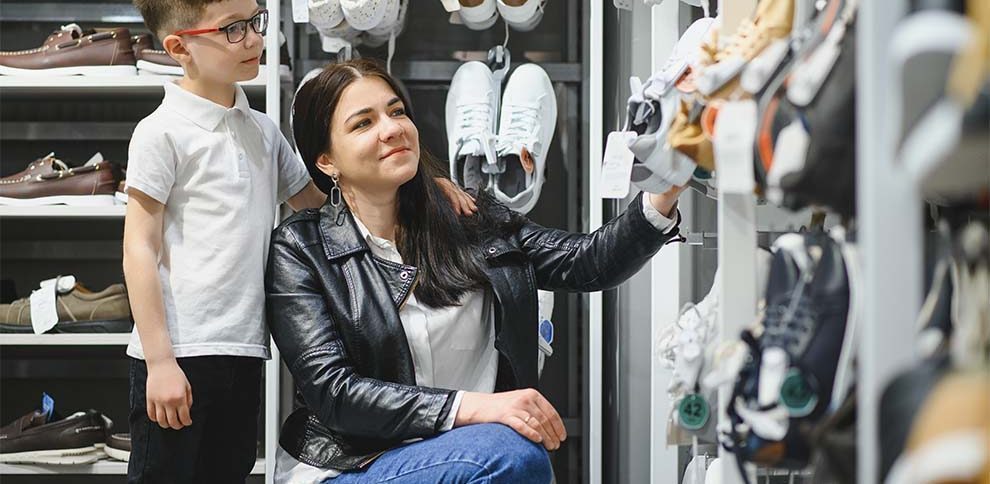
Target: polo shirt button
240, 156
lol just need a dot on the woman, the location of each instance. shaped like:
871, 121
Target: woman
401, 320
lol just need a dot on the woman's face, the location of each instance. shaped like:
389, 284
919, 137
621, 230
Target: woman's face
374, 144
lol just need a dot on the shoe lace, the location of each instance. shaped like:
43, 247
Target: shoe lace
523, 127
744, 39
789, 325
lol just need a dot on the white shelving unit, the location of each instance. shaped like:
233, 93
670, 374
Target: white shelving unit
63, 211
101, 467
74, 339
270, 84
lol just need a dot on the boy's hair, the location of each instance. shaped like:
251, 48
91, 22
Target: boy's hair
166, 16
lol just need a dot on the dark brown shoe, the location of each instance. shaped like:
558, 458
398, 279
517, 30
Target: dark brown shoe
70, 51
47, 438
119, 446
49, 181
151, 61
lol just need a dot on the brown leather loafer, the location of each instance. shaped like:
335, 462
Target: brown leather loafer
119, 447
49, 181
70, 51
40, 438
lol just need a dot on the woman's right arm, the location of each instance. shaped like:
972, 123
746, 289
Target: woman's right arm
307, 337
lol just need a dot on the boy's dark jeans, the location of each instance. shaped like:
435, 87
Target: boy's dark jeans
221, 444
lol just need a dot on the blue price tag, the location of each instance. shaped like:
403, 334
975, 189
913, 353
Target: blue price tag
47, 406
546, 331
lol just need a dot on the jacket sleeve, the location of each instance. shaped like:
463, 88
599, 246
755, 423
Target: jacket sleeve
307, 337
603, 259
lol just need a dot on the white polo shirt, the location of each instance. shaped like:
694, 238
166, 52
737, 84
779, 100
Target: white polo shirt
220, 172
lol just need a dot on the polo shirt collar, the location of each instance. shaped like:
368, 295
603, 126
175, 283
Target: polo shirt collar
201, 111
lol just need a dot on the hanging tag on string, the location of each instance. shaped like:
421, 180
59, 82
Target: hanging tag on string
300, 11
735, 133
617, 164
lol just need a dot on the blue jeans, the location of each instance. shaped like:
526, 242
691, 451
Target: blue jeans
483, 453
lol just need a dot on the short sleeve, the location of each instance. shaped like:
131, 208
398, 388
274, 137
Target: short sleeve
151, 163
292, 174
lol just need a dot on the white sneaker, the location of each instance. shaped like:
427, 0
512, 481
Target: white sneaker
325, 14
470, 116
480, 17
394, 22
364, 14
524, 17
657, 167
526, 124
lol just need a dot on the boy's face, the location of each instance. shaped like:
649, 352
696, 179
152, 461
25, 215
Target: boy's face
211, 57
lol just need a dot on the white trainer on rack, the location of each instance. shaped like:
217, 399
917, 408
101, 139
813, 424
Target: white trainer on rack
527, 121
523, 17
479, 17
364, 14
470, 121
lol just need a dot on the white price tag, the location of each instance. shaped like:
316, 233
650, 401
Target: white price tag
617, 164
44, 314
788, 157
300, 11
451, 5
735, 133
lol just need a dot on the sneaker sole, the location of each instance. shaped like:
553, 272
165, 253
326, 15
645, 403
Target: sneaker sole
118, 454
95, 71
82, 455
75, 200
115, 326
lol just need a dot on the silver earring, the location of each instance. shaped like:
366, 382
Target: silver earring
335, 191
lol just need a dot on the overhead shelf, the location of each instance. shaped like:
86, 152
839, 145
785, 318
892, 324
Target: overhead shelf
66, 339
63, 211
140, 84
62, 12
104, 467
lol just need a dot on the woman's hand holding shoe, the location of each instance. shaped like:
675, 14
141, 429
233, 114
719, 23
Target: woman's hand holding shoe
525, 411
665, 202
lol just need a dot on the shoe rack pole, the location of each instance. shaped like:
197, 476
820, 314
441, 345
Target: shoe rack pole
596, 137
889, 230
273, 91
667, 286
737, 297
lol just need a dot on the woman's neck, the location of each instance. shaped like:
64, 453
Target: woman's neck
378, 212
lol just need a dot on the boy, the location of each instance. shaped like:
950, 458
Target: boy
205, 175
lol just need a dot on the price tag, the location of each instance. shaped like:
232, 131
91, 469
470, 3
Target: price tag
693, 412
735, 133
451, 5
788, 157
617, 164
300, 11
44, 314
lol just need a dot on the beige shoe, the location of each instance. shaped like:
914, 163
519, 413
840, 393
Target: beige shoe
773, 20
79, 311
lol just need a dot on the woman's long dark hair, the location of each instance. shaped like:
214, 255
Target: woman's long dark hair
431, 236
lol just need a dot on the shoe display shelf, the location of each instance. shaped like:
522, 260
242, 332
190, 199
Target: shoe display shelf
65, 239
104, 467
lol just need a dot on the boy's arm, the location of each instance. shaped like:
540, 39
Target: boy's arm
308, 197
169, 395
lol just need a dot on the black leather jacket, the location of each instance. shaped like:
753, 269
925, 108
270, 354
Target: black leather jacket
333, 310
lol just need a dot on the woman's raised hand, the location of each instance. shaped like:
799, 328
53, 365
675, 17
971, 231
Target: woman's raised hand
525, 411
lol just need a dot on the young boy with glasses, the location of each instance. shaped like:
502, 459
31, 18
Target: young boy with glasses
205, 176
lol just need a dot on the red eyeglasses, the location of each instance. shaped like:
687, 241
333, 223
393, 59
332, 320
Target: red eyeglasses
236, 31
